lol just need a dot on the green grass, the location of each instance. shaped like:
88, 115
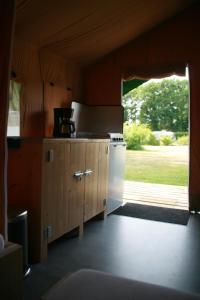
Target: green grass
158, 164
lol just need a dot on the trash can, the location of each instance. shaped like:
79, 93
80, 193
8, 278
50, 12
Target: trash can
18, 233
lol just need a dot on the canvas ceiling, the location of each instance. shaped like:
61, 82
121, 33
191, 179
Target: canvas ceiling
86, 30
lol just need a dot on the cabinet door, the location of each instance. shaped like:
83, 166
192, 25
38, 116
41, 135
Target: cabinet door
102, 188
55, 210
75, 188
90, 204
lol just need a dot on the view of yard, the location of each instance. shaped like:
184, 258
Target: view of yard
158, 164
156, 132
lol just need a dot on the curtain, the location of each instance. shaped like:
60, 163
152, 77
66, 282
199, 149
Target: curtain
7, 13
154, 71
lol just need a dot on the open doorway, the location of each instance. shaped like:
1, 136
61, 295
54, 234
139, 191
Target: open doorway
157, 134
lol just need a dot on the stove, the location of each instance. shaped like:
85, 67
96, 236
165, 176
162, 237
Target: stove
113, 137
117, 154
116, 137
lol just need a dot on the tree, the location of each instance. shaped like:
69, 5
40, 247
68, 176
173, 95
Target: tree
162, 105
132, 103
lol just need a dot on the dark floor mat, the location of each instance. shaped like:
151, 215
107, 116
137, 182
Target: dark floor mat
176, 216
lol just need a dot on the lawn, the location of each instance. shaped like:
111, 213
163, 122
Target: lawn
158, 164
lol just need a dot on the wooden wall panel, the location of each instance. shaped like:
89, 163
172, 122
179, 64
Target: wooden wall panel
24, 187
26, 65
66, 74
101, 83
174, 42
33, 68
54, 96
7, 15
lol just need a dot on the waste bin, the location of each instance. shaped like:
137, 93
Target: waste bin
18, 233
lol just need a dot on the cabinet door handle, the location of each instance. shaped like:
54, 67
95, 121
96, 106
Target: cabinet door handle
50, 155
88, 172
78, 175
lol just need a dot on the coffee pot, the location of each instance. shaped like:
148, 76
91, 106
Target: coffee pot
63, 125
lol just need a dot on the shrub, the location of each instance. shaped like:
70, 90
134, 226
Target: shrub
179, 134
184, 140
153, 141
136, 135
166, 140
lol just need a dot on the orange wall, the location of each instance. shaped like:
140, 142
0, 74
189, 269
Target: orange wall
35, 69
173, 42
26, 65
25, 187
7, 15
46, 79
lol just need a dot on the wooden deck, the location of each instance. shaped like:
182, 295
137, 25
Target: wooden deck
156, 194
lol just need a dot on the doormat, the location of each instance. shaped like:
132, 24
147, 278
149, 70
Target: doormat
162, 214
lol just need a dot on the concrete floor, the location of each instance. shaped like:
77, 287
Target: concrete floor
155, 252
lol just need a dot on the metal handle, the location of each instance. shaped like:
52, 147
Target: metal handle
50, 155
88, 172
78, 175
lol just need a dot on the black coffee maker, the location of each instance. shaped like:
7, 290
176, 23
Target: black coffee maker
63, 126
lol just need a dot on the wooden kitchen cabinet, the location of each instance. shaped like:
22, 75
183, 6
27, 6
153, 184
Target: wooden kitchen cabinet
96, 181
54, 194
91, 180
74, 187
57, 201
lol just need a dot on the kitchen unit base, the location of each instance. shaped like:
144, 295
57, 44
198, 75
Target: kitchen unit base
62, 183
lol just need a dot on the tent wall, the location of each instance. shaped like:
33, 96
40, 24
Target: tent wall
26, 66
48, 81
7, 14
174, 42
61, 84
35, 69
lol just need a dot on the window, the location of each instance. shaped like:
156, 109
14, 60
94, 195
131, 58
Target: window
14, 109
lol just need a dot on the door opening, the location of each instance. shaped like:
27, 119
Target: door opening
157, 136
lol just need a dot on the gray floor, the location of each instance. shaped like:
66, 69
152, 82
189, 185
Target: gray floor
155, 252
